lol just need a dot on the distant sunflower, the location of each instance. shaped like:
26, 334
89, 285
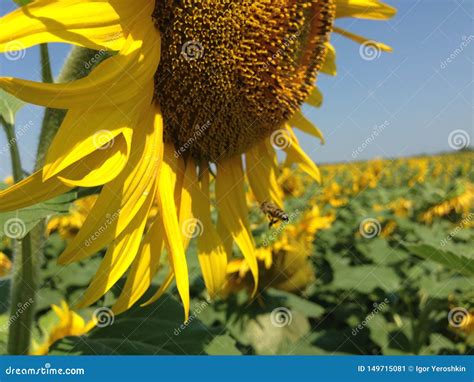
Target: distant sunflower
194, 83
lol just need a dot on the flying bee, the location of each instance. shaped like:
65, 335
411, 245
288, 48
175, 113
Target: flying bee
273, 213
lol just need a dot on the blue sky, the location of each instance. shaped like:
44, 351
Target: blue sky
409, 96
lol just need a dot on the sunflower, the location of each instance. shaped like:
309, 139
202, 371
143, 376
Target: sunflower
194, 86
284, 263
70, 324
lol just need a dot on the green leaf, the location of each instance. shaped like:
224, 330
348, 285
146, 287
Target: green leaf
455, 262
270, 334
17, 224
9, 106
156, 329
365, 278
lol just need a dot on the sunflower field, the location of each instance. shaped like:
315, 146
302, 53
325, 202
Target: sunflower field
376, 260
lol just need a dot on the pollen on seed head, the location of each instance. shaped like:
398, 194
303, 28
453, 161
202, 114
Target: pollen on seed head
232, 72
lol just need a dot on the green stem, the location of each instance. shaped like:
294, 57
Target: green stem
14, 152
24, 278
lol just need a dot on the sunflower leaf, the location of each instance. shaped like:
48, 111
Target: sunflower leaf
17, 224
455, 262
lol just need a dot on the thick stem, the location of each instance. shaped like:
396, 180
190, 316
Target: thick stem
24, 278
14, 152
23, 297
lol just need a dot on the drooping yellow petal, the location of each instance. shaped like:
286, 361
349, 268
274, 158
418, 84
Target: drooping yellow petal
147, 261
295, 154
315, 98
300, 122
119, 256
173, 233
186, 219
363, 40
329, 67
95, 128
211, 252
260, 169
230, 195
364, 9
109, 83
91, 24
143, 268
100, 167
33, 189
29, 191
121, 199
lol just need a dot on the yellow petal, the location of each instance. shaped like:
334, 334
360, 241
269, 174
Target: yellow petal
173, 233
260, 168
186, 220
230, 195
96, 128
100, 167
363, 40
95, 25
295, 154
315, 98
364, 9
211, 252
29, 191
121, 199
143, 269
299, 121
119, 256
329, 67
108, 83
